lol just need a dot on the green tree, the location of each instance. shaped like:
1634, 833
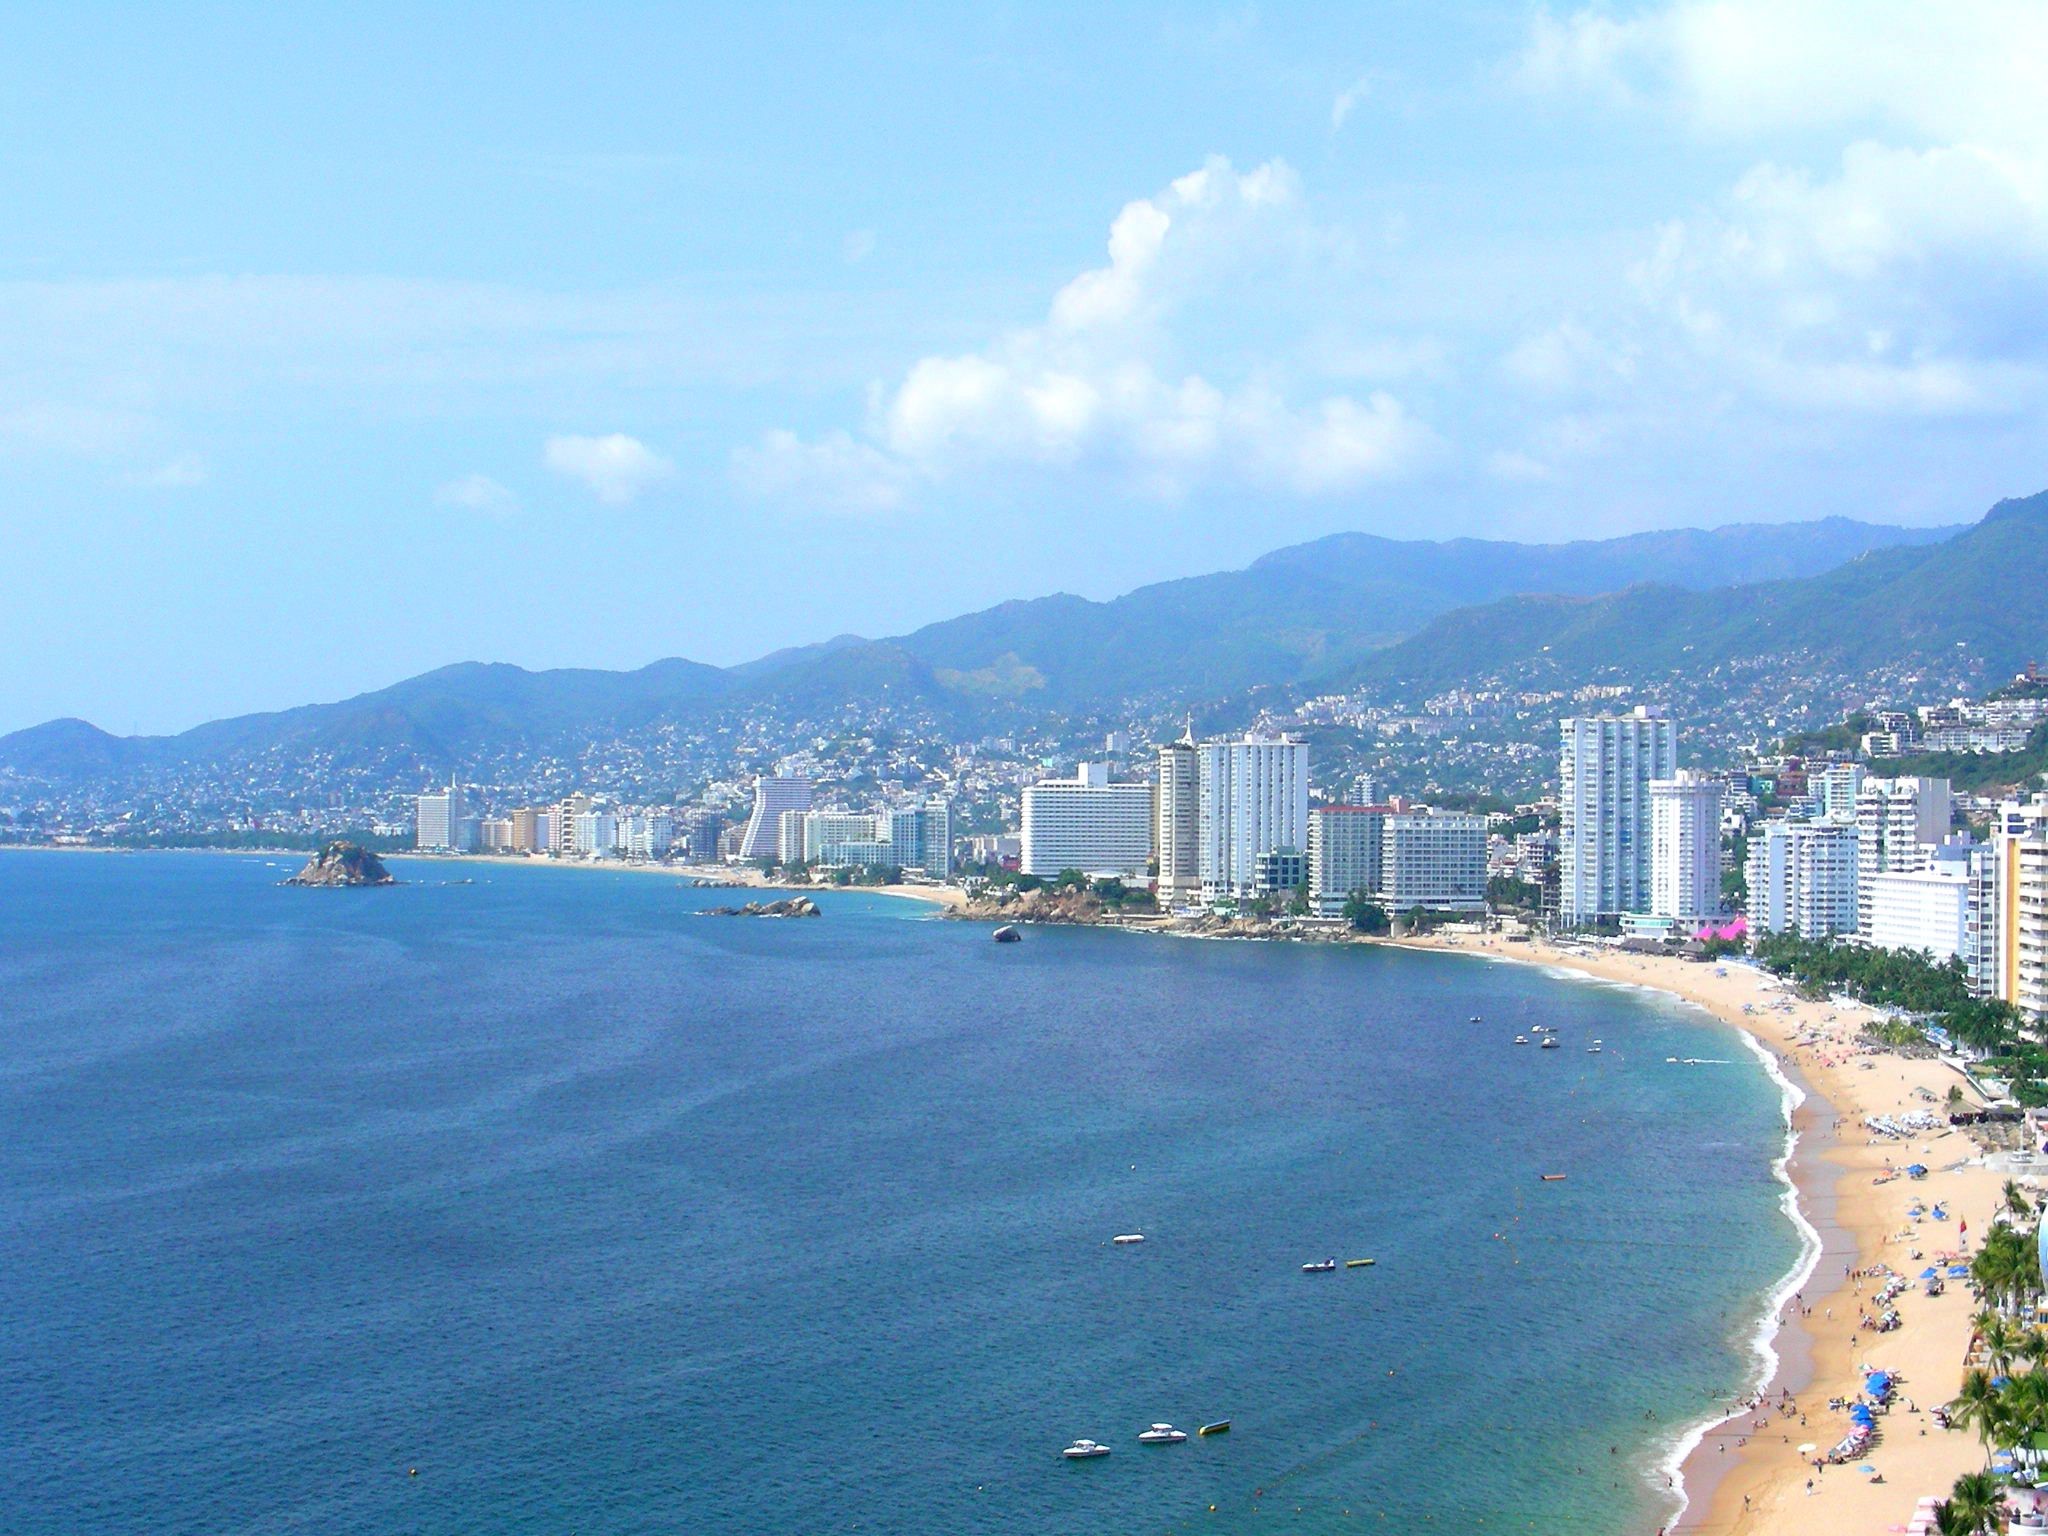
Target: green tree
1365, 914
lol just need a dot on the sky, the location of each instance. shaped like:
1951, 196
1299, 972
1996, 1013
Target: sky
337, 344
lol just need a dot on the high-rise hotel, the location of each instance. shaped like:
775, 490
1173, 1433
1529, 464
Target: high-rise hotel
1607, 764
1252, 800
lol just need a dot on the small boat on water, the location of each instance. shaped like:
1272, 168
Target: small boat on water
1082, 1450
1125, 1239
1161, 1434
1220, 1427
1593, 1049
1477, 1020
1008, 934
1521, 1039
1550, 1042
1553, 1178
1323, 1268
1360, 1263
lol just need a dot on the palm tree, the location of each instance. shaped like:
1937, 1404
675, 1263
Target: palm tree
2016, 1199
1979, 1501
1978, 1406
2001, 1340
2033, 1348
1951, 1521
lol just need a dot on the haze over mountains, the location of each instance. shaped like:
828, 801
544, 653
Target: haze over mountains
1348, 611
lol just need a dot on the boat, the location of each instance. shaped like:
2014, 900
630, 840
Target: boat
1008, 934
1553, 1178
1593, 1049
1161, 1434
1220, 1427
1082, 1450
1477, 1020
1125, 1239
1521, 1039
1550, 1042
1323, 1268
1360, 1263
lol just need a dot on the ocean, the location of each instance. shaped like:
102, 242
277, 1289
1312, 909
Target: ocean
543, 1204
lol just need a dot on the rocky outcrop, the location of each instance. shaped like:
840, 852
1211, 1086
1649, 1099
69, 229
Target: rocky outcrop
343, 864
793, 906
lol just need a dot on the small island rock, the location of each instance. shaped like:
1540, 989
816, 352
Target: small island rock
794, 906
343, 864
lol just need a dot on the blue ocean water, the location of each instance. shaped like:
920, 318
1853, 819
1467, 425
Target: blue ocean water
539, 1204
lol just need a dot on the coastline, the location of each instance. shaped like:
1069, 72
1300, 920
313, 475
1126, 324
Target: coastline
1741, 1472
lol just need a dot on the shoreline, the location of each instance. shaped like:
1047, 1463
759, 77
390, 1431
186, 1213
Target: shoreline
1738, 1471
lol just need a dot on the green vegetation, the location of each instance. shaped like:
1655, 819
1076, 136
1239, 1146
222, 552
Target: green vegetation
1844, 737
1895, 978
1976, 771
1506, 893
1365, 914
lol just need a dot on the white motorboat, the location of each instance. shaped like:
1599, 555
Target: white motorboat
1161, 1434
1593, 1049
1521, 1039
1323, 1268
1082, 1450
1125, 1239
1550, 1042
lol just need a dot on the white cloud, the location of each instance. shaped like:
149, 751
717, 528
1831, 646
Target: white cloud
1095, 387
835, 474
1349, 99
616, 468
477, 493
180, 473
1904, 271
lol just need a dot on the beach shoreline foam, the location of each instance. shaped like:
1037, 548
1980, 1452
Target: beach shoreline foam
1727, 1472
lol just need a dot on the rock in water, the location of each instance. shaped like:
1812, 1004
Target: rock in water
343, 864
799, 906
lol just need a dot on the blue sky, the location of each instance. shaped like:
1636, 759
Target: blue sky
336, 347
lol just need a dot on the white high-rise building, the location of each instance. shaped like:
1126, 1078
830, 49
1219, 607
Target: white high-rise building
1180, 878
1834, 790
1922, 909
1802, 878
836, 838
440, 816
1252, 799
921, 837
1345, 844
790, 846
1897, 822
1088, 823
772, 796
594, 834
1434, 859
1606, 764
1685, 846
647, 835
2020, 837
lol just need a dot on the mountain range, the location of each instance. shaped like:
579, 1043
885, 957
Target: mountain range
1350, 610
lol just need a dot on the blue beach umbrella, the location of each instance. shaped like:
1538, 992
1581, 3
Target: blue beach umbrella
1929, 1272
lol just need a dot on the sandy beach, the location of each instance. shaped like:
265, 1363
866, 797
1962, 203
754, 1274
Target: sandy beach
735, 875
1747, 1474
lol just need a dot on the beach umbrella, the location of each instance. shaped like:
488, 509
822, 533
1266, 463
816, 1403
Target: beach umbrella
1808, 1449
1866, 1467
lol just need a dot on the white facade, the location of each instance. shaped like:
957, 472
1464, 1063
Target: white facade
1925, 909
1834, 790
1180, 879
2021, 841
1252, 799
1088, 823
649, 835
594, 834
921, 837
1606, 765
1802, 878
1344, 854
772, 796
1436, 860
835, 838
1897, 822
1685, 847
440, 821
790, 846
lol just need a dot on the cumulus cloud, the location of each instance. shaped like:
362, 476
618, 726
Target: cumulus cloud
1348, 101
616, 468
1091, 387
477, 493
1904, 271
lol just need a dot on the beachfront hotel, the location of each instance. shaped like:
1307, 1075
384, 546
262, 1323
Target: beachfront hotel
1180, 878
1088, 823
1607, 764
1252, 800
1345, 854
1897, 822
2021, 840
1685, 846
772, 796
